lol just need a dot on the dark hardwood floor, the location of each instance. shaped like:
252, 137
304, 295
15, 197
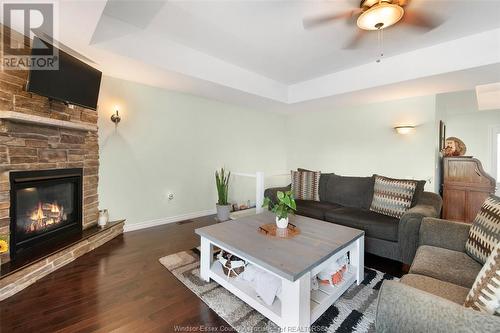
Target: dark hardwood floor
121, 287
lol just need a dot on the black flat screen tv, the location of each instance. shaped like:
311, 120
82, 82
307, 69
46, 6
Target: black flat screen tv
74, 82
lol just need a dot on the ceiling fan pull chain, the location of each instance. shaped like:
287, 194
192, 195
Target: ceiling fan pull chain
381, 42
378, 44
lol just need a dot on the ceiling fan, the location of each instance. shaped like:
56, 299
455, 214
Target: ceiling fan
376, 15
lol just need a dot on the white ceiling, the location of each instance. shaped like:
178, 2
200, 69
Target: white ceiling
267, 37
257, 53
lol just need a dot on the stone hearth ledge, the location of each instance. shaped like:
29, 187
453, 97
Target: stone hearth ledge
32, 119
26, 276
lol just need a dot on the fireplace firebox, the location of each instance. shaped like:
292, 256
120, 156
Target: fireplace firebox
45, 205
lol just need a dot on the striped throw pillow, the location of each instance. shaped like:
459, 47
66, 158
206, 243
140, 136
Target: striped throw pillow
392, 197
484, 295
305, 185
485, 231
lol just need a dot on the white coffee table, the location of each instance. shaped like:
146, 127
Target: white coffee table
294, 261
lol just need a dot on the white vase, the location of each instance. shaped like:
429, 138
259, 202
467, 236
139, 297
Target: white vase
281, 223
223, 212
103, 217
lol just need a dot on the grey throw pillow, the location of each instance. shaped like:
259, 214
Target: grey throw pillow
305, 185
484, 295
485, 231
392, 197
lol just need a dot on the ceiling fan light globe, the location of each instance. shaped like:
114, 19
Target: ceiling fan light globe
380, 16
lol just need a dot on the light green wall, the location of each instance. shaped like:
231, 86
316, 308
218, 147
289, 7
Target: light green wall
463, 120
173, 142
170, 141
361, 140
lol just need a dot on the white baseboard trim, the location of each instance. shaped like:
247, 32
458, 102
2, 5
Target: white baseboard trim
171, 219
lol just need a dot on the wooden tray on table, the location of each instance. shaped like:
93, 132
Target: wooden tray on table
270, 229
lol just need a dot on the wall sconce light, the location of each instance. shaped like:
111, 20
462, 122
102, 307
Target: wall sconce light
404, 129
115, 117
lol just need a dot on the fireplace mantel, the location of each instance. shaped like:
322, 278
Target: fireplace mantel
32, 119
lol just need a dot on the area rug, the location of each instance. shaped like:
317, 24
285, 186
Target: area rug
353, 312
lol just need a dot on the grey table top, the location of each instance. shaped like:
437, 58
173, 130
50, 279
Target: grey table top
288, 258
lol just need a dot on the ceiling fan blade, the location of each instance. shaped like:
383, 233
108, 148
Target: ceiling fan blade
421, 20
354, 42
313, 22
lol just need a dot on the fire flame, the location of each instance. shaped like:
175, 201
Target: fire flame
45, 215
38, 214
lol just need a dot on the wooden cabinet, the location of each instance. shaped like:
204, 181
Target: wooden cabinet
465, 187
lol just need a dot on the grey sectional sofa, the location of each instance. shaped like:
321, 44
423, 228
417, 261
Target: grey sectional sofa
347, 200
430, 298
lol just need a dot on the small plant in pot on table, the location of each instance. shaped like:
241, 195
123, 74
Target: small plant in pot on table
285, 205
222, 183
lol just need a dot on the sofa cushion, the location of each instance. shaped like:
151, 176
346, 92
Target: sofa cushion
323, 185
314, 209
418, 192
446, 265
392, 197
485, 231
375, 225
484, 295
447, 290
305, 185
356, 192
323, 181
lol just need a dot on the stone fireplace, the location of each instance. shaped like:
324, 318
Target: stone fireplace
30, 146
44, 205
49, 165
41, 134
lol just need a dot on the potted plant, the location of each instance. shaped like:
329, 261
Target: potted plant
285, 205
222, 183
